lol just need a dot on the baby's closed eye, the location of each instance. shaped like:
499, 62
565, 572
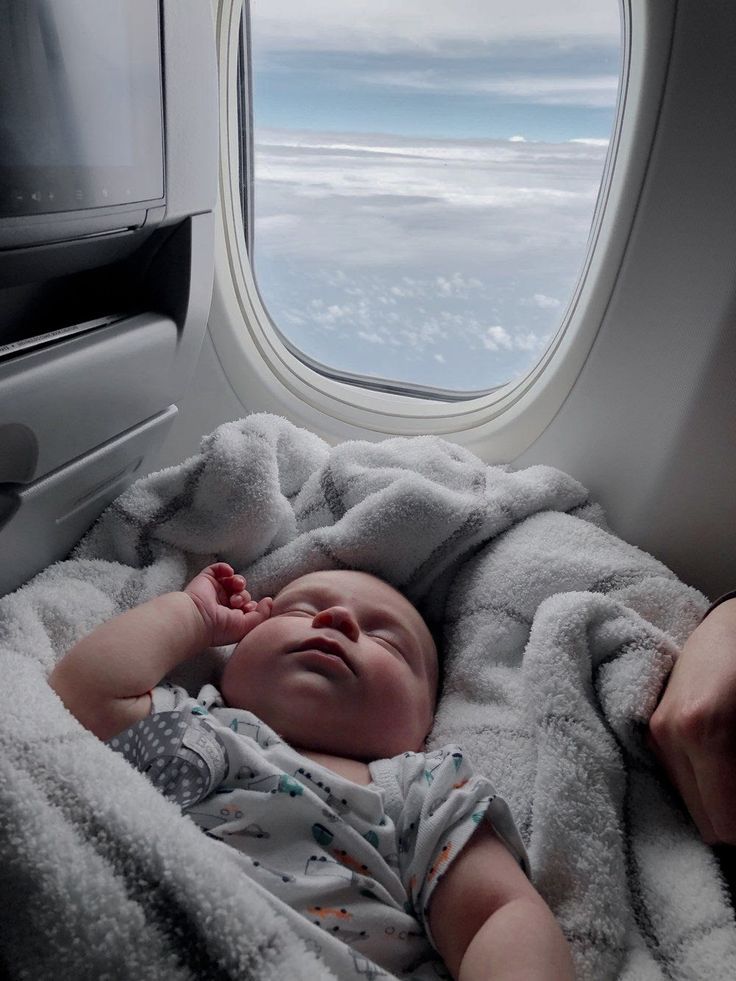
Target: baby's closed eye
387, 641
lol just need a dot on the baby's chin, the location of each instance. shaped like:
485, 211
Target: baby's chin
374, 747
366, 750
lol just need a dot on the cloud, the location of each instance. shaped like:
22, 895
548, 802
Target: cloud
371, 338
456, 284
554, 90
496, 337
542, 88
546, 302
530, 342
387, 26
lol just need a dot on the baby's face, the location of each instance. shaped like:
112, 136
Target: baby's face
344, 665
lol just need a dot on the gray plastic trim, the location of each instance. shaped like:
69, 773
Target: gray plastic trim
78, 393
41, 522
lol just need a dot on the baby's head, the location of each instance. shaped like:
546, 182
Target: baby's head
344, 665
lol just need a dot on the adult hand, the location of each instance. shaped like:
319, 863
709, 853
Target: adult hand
693, 729
225, 605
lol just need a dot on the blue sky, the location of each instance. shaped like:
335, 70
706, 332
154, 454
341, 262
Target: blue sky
425, 177
535, 89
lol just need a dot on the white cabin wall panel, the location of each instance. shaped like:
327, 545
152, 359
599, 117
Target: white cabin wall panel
650, 425
208, 402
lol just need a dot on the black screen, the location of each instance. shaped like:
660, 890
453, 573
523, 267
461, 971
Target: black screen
80, 105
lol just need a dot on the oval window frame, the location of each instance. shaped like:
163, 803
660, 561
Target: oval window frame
266, 376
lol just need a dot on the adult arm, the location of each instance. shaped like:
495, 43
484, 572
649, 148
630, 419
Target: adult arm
106, 679
489, 922
693, 729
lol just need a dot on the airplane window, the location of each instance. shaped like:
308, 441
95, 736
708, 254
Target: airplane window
421, 178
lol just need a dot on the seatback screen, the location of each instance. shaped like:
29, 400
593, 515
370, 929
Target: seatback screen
80, 105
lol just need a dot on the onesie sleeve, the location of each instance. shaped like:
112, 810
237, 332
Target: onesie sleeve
176, 747
444, 801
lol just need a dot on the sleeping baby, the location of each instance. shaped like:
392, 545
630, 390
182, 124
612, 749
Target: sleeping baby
309, 761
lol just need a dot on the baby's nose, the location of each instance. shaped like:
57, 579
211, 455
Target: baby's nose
339, 618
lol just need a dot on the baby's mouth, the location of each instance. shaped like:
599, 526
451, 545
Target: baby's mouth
325, 646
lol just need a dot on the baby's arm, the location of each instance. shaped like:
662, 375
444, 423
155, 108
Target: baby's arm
106, 679
489, 922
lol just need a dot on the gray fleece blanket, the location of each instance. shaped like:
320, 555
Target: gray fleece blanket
558, 639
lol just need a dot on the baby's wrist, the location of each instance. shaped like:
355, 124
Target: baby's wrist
201, 623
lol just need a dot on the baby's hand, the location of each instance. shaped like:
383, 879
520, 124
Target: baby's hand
225, 605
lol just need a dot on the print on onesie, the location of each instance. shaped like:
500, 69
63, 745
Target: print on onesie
337, 804
254, 729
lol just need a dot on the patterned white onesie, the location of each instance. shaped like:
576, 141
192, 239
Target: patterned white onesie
359, 862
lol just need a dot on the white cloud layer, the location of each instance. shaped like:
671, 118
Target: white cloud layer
387, 183
433, 261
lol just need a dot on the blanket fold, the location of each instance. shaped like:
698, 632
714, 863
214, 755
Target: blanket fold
558, 639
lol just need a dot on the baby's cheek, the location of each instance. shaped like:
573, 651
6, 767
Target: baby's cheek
248, 674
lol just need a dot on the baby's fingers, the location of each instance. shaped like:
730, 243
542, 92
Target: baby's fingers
233, 584
219, 571
242, 601
256, 613
236, 595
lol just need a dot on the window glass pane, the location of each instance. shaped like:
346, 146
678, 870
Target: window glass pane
425, 175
